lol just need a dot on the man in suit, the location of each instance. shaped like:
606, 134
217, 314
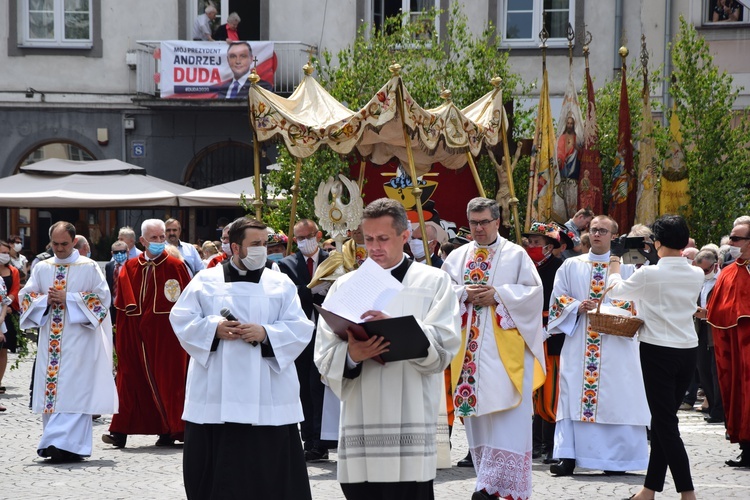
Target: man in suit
112, 272
239, 56
300, 267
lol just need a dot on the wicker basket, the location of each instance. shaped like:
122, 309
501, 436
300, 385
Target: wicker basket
621, 326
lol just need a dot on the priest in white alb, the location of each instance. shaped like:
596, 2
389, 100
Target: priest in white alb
242, 401
68, 299
602, 412
501, 360
389, 413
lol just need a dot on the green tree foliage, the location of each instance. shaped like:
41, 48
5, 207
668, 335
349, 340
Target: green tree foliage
715, 138
464, 63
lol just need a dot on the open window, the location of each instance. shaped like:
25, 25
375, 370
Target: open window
725, 13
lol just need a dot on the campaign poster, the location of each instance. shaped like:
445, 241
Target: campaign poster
213, 70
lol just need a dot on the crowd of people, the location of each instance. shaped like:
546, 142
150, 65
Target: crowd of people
219, 345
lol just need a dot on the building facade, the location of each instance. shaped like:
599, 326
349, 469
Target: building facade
78, 76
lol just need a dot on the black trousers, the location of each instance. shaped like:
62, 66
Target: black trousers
241, 461
667, 372
707, 373
389, 491
311, 391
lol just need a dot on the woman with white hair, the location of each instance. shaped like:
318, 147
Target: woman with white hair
228, 31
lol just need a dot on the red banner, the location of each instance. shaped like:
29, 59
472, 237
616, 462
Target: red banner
590, 179
622, 203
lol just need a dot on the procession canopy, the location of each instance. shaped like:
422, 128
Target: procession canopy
311, 117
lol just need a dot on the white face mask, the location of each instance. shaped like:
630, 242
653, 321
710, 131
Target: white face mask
308, 246
734, 252
18, 247
417, 248
255, 258
226, 248
709, 276
4, 258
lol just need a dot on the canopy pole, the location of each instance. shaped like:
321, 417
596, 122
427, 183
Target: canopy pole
506, 162
474, 172
292, 217
416, 191
361, 180
257, 203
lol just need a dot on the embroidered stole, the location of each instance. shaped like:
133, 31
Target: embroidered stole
510, 343
57, 322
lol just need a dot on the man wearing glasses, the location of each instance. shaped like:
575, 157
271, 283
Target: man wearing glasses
602, 411
501, 360
729, 315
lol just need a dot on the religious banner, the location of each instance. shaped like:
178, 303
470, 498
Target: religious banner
213, 70
646, 209
543, 170
674, 194
622, 202
590, 177
570, 140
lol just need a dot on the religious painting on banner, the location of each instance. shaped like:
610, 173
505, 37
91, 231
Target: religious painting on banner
213, 70
569, 142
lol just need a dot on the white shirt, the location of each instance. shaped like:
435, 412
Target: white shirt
666, 297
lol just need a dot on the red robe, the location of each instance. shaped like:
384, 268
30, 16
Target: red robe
729, 314
217, 260
152, 366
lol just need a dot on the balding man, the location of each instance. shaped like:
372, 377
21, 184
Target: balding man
67, 298
82, 245
300, 267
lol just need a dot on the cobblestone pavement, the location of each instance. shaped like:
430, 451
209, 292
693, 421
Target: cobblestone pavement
144, 471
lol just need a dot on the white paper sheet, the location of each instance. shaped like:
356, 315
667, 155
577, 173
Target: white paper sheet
370, 288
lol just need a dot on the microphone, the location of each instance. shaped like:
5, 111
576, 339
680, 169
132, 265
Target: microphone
229, 316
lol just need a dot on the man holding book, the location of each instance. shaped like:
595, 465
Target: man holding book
387, 444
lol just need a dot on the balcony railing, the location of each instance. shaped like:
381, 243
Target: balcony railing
291, 56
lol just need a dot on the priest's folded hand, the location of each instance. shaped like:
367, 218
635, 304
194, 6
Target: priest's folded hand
228, 330
362, 350
251, 332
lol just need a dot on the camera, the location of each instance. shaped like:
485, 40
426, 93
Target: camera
634, 250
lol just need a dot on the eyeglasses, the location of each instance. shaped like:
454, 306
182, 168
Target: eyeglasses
481, 223
117, 252
599, 230
735, 239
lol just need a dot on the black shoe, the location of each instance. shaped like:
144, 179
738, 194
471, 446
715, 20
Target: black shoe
58, 456
316, 455
165, 440
714, 420
549, 460
482, 495
116, 439
467, 461
564, 468
742, 461
614, 472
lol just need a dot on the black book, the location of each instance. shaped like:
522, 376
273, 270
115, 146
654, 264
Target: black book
407, 339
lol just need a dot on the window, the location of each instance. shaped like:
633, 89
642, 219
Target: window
521, 21
62, 150
380, 10
56, 23
725, 12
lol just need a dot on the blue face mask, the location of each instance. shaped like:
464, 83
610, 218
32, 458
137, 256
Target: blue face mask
88, 254
276, 257
120, 258
156, 248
